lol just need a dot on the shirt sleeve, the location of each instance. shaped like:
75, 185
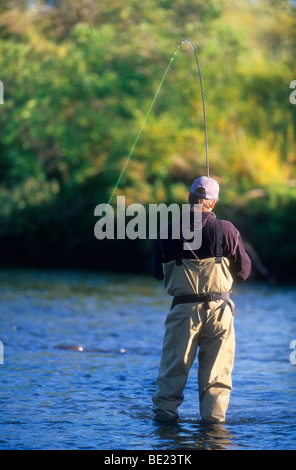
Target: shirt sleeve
157, 261
240, 263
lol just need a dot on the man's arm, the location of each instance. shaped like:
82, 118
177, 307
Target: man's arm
157, 261
240, 263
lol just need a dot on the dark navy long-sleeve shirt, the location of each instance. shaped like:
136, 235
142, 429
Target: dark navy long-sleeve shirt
232, 246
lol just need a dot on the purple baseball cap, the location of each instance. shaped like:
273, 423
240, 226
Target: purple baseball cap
205, 188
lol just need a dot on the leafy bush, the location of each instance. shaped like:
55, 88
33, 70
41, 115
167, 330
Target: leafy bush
79, 79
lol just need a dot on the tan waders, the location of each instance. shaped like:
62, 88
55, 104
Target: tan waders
201, 317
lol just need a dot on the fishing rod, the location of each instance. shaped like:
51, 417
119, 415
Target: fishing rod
203, 102
150, 109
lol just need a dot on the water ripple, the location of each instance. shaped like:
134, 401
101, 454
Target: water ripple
81, 360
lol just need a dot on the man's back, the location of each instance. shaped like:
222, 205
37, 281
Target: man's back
169, 249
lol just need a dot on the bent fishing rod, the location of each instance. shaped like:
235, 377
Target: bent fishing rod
150, 109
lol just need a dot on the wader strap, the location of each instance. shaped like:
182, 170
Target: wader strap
219, 239
219, 250
178, 255
206, 298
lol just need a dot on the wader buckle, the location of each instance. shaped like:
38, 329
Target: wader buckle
206, 298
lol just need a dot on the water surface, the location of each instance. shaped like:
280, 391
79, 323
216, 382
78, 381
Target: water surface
81, 355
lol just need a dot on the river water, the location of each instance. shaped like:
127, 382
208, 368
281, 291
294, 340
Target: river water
81, 355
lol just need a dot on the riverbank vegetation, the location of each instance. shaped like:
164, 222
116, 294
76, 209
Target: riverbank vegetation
79, 77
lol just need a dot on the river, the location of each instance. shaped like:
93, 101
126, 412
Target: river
80, 358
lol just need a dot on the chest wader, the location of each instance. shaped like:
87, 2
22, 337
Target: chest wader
201, 316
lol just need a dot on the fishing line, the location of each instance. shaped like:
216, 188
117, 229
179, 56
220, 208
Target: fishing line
150, 109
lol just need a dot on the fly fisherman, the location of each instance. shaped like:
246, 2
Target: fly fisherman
202, 313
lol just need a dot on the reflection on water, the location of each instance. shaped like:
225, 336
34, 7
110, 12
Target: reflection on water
193, 437
81, 356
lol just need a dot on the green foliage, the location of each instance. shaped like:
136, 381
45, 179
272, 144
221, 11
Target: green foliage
79, 79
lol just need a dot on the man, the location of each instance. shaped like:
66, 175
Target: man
202, 312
